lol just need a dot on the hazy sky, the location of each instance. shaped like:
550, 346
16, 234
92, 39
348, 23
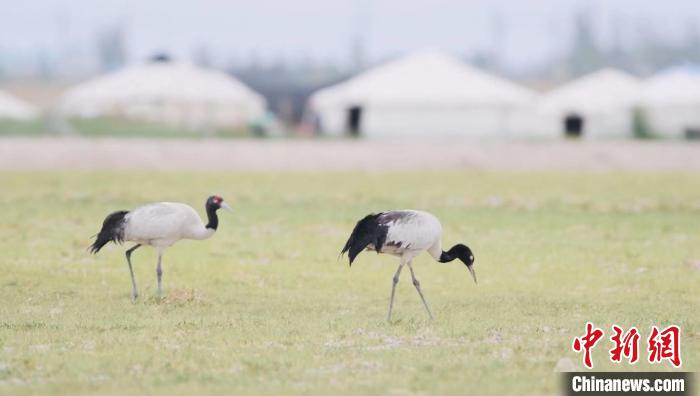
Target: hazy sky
324, 29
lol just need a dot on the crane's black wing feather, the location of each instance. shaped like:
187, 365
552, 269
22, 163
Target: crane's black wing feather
112, 231
367, 231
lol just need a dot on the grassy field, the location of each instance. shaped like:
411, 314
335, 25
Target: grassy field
101, 127
105, 127
265, 306
23, 128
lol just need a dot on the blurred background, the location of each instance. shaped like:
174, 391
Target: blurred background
557, 138
438, 69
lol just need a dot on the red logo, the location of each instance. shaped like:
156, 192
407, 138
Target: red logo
665, 345
627, 345
587, 342
661, 345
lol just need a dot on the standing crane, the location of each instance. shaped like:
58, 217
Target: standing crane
159, 225
405, 233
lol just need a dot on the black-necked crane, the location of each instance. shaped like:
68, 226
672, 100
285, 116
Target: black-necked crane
405, 233
159, 225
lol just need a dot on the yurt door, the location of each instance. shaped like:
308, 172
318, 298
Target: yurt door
354, 120
573, 126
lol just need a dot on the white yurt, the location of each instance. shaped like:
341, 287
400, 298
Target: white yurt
16, 109
671, 102
175, 93
598, 105
427, 94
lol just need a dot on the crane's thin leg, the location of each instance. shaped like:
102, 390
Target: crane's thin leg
420, 292
159, 273
393, 289
134, 292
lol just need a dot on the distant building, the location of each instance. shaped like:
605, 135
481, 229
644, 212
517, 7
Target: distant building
671, 102
167, 92
15, 109
599, 105
427, 94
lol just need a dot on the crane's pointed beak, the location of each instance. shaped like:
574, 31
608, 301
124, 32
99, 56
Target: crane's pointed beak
225, 206
471, 270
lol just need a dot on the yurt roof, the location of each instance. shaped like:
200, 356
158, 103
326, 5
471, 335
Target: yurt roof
426, 78
14, 108
176, 81
674, 86
604, 90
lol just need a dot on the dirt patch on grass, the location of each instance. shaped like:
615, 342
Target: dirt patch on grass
319, 155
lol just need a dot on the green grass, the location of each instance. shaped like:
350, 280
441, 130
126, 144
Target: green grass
265, 307
23, 128
105, 127
124, 128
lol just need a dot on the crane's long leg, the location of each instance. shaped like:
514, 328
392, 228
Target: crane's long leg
134, 292
159, 272
420, 292
393, 289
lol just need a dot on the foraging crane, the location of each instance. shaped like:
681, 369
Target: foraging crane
159, 225
405, 233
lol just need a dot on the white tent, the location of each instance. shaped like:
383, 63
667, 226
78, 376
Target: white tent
599, 105
169, 92
425, 94
671, 101
13, 108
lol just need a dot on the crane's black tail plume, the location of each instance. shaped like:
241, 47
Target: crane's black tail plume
112, 231
367, 231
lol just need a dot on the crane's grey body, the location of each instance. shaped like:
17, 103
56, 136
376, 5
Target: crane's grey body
409, 233
405, 234
162, 224
159, 225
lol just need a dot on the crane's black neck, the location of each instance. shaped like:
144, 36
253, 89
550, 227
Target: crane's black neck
458, 251
446, 257
212, 218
